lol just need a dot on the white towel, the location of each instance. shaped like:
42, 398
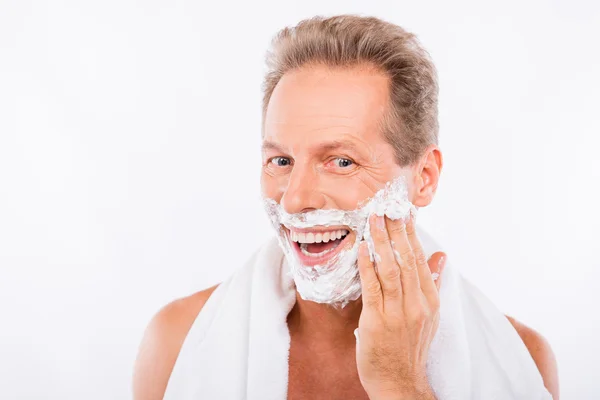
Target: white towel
238, 347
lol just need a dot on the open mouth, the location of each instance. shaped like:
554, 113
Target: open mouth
317, 246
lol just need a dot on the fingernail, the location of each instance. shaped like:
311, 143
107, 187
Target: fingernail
380, 222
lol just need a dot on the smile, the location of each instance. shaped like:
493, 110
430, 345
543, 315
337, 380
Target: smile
317, 246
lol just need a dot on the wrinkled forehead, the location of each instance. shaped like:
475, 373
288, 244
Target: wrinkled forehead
321, 103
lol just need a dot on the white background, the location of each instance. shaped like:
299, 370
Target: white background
129, 169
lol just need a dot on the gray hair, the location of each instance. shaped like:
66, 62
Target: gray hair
411, 123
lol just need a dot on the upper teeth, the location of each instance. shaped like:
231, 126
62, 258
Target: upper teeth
317, 237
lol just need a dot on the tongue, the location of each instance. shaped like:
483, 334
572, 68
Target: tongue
319, 247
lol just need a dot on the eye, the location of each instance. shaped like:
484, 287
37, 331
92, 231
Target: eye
343, 162
280, 161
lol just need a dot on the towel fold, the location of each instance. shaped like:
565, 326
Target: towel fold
238, 346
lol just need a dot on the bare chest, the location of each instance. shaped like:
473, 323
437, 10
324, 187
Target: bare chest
323, 376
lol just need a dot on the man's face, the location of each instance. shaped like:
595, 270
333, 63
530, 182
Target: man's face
322, 142
323, 147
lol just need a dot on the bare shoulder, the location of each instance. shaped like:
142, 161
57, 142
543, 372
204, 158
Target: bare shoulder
162, 342
542, 355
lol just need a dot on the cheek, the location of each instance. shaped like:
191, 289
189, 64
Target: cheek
272, 187
347, 194
412, 188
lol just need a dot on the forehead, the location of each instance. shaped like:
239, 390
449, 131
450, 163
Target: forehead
319, 102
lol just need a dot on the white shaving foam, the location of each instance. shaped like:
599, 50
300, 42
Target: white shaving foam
337, 282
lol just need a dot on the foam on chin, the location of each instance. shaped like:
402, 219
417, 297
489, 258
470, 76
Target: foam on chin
337, 281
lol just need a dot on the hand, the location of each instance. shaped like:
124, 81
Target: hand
400, 313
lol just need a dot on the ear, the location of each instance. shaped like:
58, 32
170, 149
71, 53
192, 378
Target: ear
427, 175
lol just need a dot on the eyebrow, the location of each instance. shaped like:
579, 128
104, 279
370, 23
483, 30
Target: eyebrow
267, 145
337, 145
323, 147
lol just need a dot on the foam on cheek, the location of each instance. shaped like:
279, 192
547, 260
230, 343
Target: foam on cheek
337, 281
392, 202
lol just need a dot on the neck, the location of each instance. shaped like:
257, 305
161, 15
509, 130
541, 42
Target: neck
324, 324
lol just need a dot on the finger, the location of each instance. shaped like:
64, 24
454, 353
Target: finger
425, 278
436, 265
409, 276
388, 270
435, 323
371, 288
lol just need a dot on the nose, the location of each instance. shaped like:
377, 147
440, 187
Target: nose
302, 193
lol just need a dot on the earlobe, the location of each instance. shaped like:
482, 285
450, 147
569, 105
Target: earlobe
423, 200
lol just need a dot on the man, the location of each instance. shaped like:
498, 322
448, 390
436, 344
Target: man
350, 104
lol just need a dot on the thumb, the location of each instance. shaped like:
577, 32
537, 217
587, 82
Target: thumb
436, 263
